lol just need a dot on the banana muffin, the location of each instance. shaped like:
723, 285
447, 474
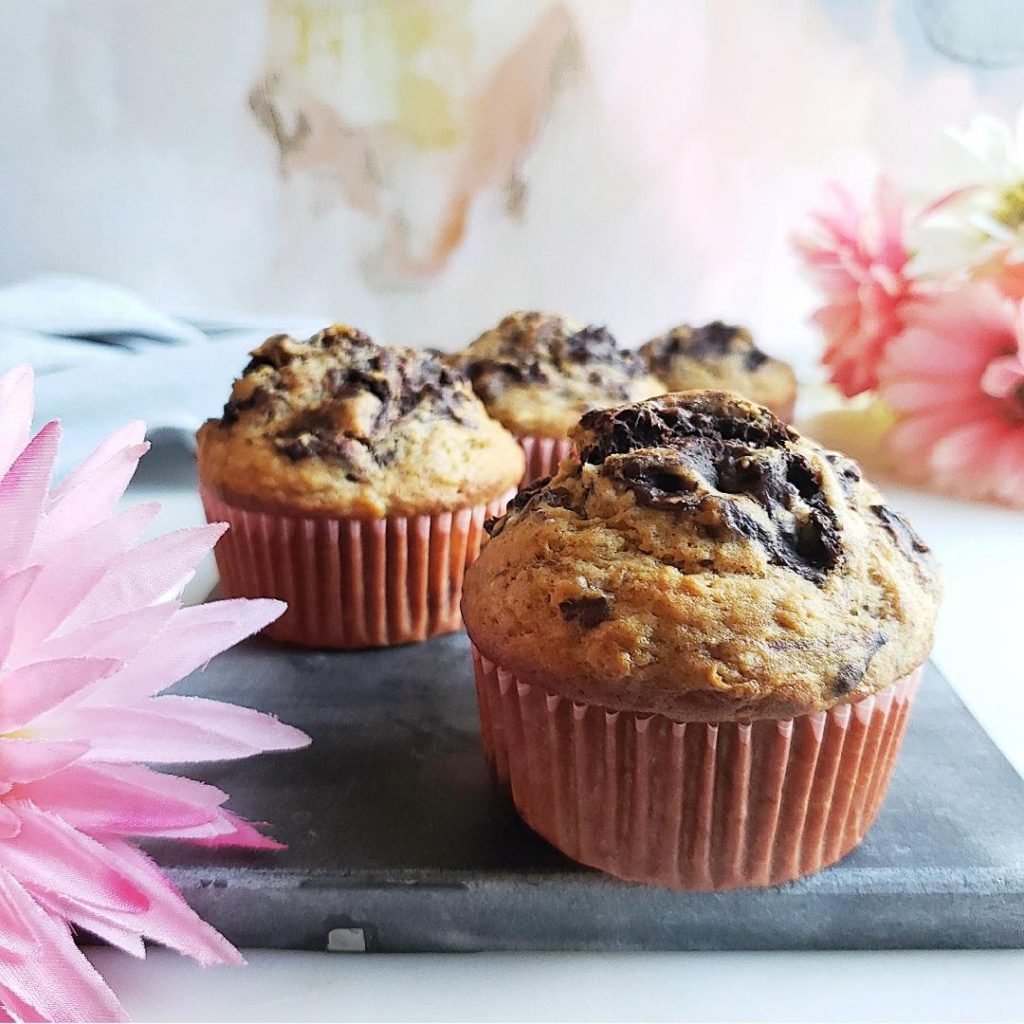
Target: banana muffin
724, 358
712, 618
537, 374
356, 478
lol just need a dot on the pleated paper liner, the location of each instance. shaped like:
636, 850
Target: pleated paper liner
543, 454
351, 583
692, 805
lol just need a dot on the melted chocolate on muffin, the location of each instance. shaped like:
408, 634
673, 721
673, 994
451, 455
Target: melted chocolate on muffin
355, 393
533, 348
715, 340
702, 459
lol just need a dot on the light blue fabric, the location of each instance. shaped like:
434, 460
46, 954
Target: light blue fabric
104, 356
61, 320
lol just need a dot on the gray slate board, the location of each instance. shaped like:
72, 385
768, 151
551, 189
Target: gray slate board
397, 840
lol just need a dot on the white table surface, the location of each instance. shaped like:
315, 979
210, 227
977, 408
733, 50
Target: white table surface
978, 647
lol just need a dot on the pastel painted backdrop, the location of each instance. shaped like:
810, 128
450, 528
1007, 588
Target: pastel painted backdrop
421, 167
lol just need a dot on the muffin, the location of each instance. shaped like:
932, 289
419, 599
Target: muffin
723, 358
356, 480
697, 645
537, 374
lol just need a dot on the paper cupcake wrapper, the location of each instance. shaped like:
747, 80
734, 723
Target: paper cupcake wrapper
692, 805
543, 454
351, 583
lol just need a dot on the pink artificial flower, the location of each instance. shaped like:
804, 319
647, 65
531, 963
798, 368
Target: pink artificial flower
955, 380
91, 632
1005, 273
858, 259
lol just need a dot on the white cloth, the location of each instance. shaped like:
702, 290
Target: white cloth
60, 320
104, 356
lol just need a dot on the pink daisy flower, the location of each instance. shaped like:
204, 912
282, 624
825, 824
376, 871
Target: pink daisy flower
858, 259
91, 632
955, 380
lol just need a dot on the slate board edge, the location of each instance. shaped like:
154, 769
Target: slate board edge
520, 914
413, 911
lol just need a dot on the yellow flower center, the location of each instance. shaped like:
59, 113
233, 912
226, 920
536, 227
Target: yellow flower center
1010, 210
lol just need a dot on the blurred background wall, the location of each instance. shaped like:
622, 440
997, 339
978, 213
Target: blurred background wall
419, 167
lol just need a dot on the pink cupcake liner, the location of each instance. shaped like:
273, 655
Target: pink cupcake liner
543, 454
692, 805
351, 583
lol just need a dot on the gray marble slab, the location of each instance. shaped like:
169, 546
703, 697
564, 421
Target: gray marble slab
397, 840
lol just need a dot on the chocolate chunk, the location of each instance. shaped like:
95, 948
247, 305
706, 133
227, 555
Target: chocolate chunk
847, 472
532, 348
853, 672
345, 451
715, 340
657, 425
706, 459
404, 382
910, 544
273, 353
535, 494
520, 501
490, 377
663, 481
234, 407
586, 612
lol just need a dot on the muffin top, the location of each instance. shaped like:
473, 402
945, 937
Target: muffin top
537, 374
722, 357
340, 426
699, 558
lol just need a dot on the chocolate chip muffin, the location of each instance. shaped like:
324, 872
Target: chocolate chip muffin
340, 426
698, 573
356, 478
722, 357
538, 373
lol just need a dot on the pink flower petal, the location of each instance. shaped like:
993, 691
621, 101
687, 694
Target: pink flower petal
178, 729
25, 693
17, 401
910, 395
24, 760
10, 823
72, 571
965, 449
52, 980
91, 499
104, 925
121, 636
169, 919
126, 799
187, 642
92, 468
241, 834
50, 856
144, 574
174, 730
22, 493
917, 435
12, 594
1003, 376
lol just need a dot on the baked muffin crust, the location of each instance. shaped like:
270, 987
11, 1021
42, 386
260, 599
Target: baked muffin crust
699, 558
721, 357
538, 373
339, 426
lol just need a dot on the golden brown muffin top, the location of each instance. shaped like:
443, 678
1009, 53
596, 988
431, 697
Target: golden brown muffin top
699, 558
721, 357
339, 425
538, 373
